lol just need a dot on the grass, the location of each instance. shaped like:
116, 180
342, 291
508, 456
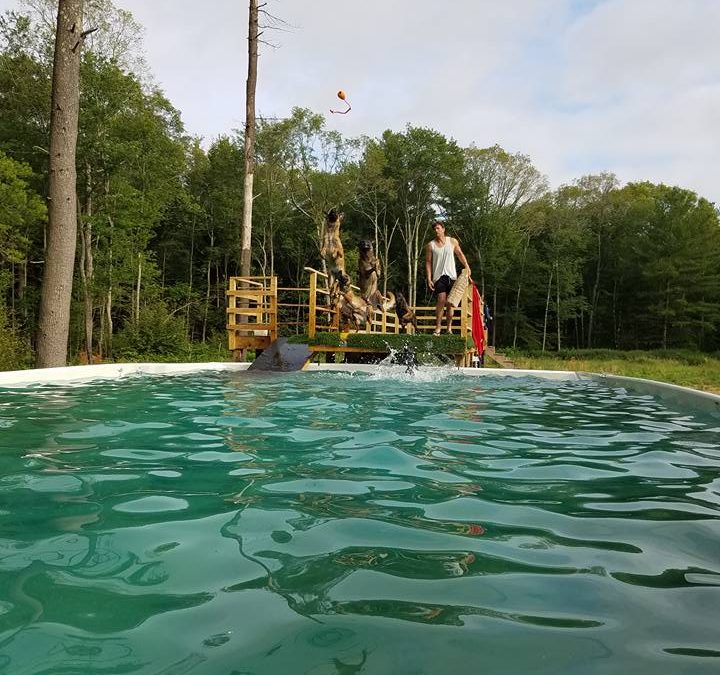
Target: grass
685, 368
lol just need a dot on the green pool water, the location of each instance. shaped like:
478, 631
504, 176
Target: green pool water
329, 523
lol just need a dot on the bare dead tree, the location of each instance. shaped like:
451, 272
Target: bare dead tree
251, 86
254, 35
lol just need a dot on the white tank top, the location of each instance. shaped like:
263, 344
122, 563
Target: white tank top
443, 259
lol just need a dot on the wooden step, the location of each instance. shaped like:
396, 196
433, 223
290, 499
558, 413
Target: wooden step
501, 360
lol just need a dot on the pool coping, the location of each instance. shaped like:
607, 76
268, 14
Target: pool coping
106, 371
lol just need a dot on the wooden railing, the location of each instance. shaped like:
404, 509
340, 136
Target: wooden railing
322, 316
256, 316
252, 312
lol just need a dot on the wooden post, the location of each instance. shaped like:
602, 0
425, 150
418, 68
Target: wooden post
273, 309
231, 317
312, 304
465, 303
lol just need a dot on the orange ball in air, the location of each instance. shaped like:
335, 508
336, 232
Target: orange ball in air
341, 95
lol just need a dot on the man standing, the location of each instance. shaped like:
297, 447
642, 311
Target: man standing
441, 272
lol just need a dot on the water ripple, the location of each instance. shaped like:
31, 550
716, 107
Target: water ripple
350, 523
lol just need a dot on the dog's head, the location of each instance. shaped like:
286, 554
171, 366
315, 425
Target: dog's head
365, 248
400, 304
334, 218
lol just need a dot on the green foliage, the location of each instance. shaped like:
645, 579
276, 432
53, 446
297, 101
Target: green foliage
156, 333
21, 210
320, 339
431, 344
14, 353
685, 356
682, 367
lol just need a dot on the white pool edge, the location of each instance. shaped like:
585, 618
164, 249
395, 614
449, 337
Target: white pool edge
114, 371
108, 371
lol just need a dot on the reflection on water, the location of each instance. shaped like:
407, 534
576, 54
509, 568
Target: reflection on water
334, 523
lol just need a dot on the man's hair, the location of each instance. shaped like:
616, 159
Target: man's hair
332, 216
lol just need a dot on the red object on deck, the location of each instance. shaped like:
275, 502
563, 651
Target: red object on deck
478, 330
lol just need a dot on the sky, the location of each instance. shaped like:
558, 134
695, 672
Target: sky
580, 86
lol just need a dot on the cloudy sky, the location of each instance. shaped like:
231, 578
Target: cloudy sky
581, 86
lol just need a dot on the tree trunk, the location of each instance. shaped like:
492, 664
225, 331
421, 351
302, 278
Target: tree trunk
595, 294
519, 290
109, 321
137, 292
547, 308
208, 279
614, 314
246, 238
478, 253
87, 267
557, 306
56, 294
190, 280
86, 275
494, 309
666, 323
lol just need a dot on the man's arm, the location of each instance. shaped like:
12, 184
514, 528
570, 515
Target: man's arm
461, 256
428, 267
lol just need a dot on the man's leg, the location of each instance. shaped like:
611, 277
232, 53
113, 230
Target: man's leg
450, 311
439, 308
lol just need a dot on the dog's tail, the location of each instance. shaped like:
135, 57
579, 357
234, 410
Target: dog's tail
389, 301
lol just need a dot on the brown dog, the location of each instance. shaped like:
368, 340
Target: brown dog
405, 315
368, 273
333, 254
356, 311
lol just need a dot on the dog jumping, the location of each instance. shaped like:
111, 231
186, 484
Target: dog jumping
369, 271
333, 254
356, 312
405, 315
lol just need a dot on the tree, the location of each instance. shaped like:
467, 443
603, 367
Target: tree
54, 322
421, 163
374, 196
21, 214
251, 86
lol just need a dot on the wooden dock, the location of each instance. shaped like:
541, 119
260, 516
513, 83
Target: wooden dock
259, 311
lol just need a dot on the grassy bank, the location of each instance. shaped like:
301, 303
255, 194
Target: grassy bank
686, 368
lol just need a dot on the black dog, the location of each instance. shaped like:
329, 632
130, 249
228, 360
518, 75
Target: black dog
405, 315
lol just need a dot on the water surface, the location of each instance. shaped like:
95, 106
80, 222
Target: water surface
328, 523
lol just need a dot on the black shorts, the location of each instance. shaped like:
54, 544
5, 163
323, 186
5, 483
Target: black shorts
444, 284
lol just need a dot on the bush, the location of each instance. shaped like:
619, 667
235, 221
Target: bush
14, 354
157, 334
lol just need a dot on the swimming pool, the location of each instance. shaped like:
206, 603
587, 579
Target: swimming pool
369, 522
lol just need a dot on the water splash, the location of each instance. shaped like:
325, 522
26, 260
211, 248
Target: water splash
403, 364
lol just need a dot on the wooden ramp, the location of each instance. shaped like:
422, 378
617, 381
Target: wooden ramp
282, 357
501, 360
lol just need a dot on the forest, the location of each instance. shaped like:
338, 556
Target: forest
591, 264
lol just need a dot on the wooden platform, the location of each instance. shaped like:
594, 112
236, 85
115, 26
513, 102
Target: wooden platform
259, 312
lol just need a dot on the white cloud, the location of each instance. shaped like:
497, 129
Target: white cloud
630, 86
634, 48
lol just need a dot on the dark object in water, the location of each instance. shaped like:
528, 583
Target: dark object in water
405, 356
282, 356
